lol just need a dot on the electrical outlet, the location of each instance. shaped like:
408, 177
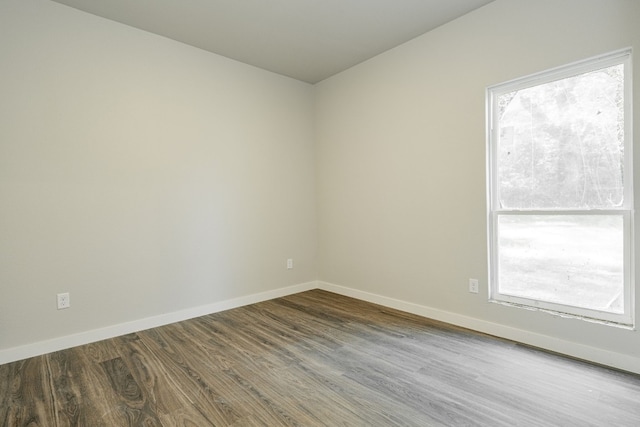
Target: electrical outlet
473, 286
64, 301
289, 264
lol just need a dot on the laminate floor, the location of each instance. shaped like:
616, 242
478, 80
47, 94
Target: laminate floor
312, 359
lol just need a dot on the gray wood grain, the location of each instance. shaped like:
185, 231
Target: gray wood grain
313, 359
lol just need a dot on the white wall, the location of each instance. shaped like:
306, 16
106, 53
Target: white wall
401, 165
148, 178
141, 175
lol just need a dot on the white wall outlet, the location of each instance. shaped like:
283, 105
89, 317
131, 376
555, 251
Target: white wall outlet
473, 286
64, 301
289, 264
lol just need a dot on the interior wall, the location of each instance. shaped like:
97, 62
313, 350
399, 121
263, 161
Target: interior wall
145, 176
401, 158
141, 175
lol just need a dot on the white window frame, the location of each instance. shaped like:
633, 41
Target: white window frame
625, 211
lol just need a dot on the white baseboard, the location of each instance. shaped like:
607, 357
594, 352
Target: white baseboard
61, 343
580, 351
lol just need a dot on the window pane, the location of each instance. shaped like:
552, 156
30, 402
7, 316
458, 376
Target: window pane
575, 260
561, 144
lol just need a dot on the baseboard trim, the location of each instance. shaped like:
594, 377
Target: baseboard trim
68, 341
580, 351
572, 349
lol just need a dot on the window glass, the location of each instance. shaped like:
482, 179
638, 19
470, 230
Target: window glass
575, 260
561, 203
561, 144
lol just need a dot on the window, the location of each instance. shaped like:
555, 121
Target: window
560, 190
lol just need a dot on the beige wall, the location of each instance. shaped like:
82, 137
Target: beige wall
148, 177
141, 175
401, 159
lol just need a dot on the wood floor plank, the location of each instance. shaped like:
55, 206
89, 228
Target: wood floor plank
133, 402
313, 359
100, 403
187, 372
61, 366
30, 400
171, 406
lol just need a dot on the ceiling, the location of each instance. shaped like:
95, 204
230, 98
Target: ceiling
308, 40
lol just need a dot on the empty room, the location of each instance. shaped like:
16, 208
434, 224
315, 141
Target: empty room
319, 213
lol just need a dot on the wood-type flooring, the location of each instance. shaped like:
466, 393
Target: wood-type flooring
312, 359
